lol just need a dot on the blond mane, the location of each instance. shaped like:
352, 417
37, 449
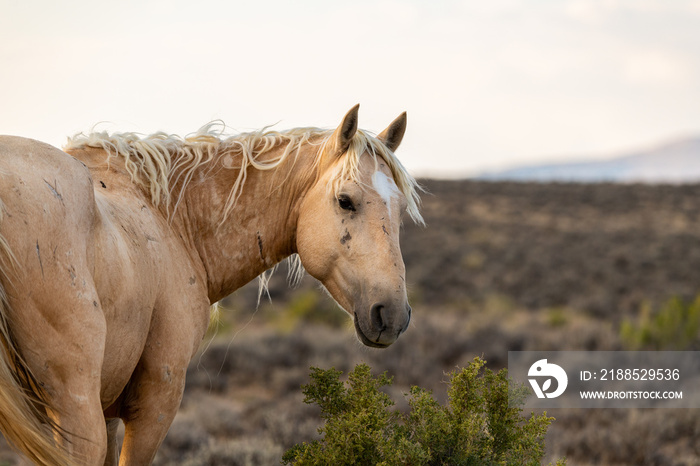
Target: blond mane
161, 162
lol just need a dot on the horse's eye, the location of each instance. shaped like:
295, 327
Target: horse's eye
346, 203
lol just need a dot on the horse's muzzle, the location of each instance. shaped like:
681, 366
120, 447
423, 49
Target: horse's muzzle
382, 326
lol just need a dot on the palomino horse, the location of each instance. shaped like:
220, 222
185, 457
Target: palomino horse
112, 256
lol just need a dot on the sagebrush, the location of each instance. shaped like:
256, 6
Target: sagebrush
676, 326
477, 426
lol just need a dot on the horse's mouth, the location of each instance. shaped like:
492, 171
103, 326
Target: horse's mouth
363, 338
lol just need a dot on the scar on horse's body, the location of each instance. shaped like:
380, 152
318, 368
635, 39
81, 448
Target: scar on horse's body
112, 252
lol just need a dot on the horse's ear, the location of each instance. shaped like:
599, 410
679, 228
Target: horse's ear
391, 137
342, 136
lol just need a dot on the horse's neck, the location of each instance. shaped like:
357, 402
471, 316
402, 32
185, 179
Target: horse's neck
258, 232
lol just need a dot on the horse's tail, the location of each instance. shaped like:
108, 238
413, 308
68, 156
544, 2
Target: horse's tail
23, 418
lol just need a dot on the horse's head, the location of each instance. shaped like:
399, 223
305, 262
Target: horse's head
348, 230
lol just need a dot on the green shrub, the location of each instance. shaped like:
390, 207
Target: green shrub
476, 427
675, 327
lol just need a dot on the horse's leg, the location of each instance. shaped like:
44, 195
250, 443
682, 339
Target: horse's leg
112, 458
64, 348
154, 392
153, 398
76, 385
59, 328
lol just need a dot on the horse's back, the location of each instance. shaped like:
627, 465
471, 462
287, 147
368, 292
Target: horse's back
17, 151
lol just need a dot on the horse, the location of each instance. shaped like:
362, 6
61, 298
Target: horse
113, 251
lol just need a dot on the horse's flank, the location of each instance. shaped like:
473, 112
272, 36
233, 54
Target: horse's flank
23, 402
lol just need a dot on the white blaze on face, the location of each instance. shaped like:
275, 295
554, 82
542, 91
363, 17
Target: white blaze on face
385, 187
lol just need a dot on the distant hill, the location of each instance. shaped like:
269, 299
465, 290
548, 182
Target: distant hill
676, 162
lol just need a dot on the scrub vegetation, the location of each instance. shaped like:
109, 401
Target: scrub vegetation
477, 426
500, 266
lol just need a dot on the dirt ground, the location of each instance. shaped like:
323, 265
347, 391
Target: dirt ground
501, 266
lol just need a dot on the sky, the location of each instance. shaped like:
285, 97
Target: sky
486, 84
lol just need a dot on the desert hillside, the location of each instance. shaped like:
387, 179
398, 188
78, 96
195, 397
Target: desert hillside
597, 248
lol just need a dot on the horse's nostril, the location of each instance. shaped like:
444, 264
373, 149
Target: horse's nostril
375, 314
